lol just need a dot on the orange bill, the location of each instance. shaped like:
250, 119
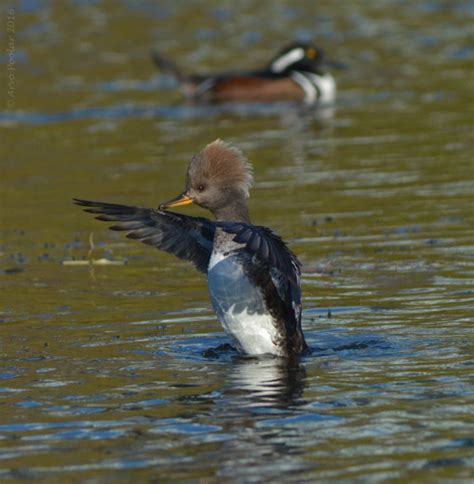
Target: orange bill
180, 200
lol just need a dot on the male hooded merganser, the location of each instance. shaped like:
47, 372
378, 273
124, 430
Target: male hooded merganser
295, 74
253, 277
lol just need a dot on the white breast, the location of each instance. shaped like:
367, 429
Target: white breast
240, 306
216, 257
254, 334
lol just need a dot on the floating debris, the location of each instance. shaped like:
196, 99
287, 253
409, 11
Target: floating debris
94, 262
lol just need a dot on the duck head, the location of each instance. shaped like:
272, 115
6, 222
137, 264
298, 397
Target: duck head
298, 56
218, 179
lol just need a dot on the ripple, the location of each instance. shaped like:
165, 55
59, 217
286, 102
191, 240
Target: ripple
126, 369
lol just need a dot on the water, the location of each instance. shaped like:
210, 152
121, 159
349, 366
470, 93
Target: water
121, 371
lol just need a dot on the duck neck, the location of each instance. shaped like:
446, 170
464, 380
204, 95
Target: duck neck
236, 211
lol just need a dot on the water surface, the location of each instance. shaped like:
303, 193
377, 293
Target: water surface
122, 371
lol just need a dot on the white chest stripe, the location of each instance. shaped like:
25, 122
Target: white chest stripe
309, 89
316, 87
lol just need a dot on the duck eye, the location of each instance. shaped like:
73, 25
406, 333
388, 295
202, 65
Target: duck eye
311, 53
201, 188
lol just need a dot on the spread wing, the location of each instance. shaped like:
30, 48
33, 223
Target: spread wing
271, 250
189, 238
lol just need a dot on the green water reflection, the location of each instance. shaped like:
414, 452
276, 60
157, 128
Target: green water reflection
102, 370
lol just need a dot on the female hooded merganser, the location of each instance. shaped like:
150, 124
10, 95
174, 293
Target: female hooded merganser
253, 277
295, 74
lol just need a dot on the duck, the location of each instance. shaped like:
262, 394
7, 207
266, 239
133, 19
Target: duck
253, 277
296, 73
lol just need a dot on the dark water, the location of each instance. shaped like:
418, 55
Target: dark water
121, 372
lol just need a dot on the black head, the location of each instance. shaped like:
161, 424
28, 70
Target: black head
298, 56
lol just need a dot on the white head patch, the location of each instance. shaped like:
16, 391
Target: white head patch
294, 55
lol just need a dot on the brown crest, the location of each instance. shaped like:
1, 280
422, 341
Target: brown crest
221, 162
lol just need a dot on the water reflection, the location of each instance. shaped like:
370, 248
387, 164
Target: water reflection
107, 377
256, 391
266, 382
182, 111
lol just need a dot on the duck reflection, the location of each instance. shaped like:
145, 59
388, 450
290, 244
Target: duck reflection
266, 382
259, 395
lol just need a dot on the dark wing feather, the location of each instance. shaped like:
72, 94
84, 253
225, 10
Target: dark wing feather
189, 238
271, 250
267, 245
